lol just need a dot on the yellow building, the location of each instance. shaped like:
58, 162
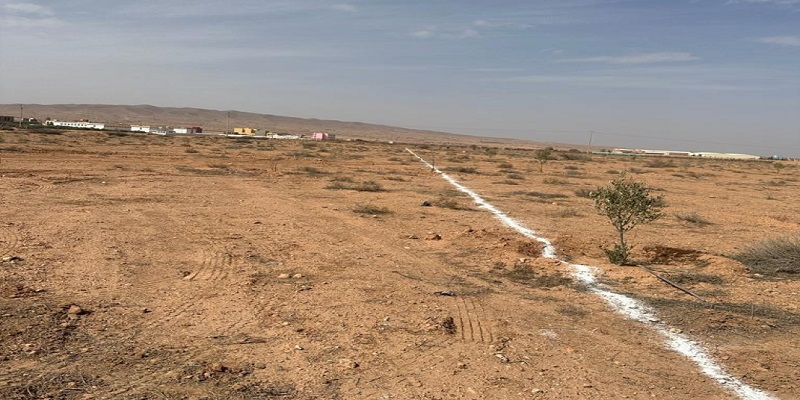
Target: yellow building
245, 131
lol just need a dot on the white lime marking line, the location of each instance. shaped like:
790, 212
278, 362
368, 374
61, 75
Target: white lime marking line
625, 305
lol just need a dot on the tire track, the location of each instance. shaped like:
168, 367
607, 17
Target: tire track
472, 321
213, 267
9, 240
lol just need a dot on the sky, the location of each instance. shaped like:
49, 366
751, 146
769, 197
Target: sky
697, 75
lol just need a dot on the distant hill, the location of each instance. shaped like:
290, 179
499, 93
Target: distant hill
215, 120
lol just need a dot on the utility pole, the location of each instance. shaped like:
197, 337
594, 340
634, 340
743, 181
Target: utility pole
21, 115
589, 148
228, 124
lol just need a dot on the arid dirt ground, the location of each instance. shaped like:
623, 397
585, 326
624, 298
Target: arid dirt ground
143, 267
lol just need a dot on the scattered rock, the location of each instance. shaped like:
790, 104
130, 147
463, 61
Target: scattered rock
75, 310
297, 276
434, 236
445, 293
217, 367
461, 365
298, 347
502, 357
348, 363
284, 276
426, 203
11, 259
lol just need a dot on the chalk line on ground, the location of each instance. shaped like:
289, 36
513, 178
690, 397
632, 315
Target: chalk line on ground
625, 305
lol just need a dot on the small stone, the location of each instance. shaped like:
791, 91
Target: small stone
434, 236
298, 347
75, 310
461, 365
218, 367
587, 385
536, 391
284, 276
676, 330
146, 310
297, 276
502, 357
348, 363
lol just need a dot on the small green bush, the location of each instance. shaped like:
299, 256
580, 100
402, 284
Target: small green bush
626, 204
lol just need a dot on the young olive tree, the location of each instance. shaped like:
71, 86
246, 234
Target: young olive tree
543, 156
626, 203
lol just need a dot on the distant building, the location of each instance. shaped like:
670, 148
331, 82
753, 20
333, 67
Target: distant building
245, 131
728, 156
188, 130
76, 124
140, 128
6, 118
704, 154
323, 136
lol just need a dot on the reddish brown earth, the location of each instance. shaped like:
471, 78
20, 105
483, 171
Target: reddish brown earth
141, 267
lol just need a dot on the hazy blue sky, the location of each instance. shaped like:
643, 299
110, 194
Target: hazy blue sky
685, 74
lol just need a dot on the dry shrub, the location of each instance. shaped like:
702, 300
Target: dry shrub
773, 257
692, 218
370, 209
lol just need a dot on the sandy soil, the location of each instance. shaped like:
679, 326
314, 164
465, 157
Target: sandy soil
141, 267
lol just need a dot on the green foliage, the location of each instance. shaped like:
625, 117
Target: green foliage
543, 156
626, 204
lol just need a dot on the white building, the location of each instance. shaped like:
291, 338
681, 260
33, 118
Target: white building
729, 156
140, 128
188, 130
76, 124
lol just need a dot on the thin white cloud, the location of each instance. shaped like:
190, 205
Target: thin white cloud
423, 34
793, 41
640, 58
27, 15
432, 32
769, 2
497, 69
345, 7
622, 82
27, 9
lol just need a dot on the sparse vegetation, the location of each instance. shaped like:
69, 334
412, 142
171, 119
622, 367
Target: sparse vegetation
692, 218
772, 257
585, 193
463, 170
565, 213
554, 181
626, 204
370, 209
312, 171
658, 163
542, 195
348, 184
